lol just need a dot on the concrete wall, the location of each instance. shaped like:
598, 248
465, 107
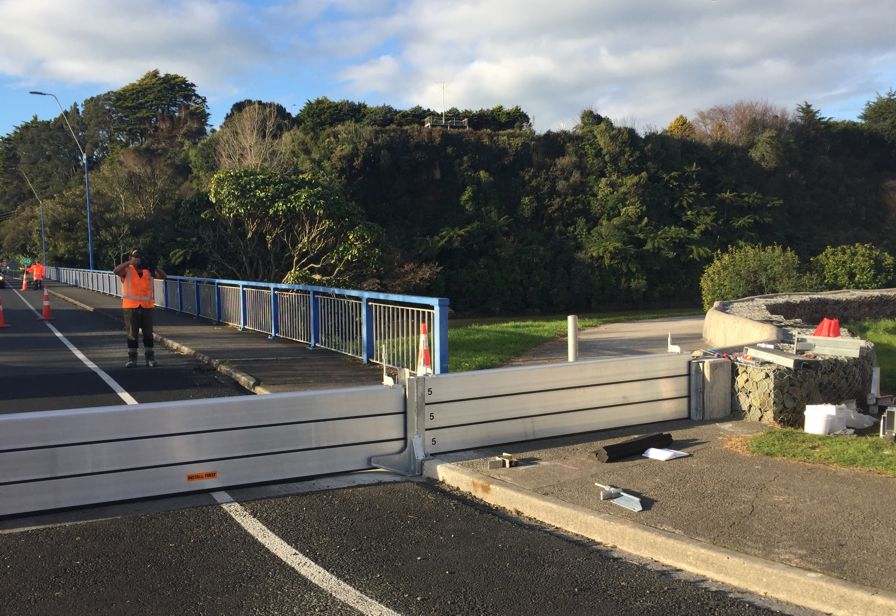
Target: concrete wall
721, 330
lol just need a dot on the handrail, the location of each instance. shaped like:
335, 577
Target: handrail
376, 327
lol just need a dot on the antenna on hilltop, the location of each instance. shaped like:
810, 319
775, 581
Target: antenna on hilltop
430, 122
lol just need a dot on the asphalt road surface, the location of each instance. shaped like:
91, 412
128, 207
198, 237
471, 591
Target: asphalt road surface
364, 543
38, 372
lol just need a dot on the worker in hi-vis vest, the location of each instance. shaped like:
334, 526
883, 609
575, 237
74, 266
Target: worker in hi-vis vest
138, 302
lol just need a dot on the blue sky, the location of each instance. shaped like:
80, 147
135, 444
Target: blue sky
640, 63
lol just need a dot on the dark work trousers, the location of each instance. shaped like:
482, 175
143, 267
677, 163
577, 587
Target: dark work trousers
136, 319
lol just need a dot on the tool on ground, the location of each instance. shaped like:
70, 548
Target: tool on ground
620, 497
505, 460
633, 447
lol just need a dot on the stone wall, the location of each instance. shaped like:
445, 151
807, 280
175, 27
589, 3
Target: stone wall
854, 308
773, 394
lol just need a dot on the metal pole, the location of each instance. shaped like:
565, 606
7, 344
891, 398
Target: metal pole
43, 235
86, 172
572, 337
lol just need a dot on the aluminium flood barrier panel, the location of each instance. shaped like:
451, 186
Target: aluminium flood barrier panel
69, 458
59, 459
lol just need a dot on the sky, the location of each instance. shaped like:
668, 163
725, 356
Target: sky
641, 63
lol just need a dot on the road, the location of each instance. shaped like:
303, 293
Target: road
369, 540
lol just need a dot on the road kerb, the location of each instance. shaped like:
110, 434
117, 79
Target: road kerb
71, 300
784, 582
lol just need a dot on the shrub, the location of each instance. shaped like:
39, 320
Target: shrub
747, 270
859, 266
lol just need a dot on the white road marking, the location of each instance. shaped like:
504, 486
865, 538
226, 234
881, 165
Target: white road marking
118, 389
302, 564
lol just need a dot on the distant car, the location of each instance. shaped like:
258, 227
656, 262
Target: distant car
2, 280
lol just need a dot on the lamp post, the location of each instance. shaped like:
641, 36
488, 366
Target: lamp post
43, 236
86, 172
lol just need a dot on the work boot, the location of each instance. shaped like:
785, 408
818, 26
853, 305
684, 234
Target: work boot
151, 359
132, 360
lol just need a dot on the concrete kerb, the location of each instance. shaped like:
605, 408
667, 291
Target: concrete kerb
784, 582
243, 379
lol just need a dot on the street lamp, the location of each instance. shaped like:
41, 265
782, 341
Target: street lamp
86, 173
43, 236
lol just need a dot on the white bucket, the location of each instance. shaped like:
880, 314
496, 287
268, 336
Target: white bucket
823, 419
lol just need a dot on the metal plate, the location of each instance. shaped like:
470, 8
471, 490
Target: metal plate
541, 403
504, 381
142, 483
544, 426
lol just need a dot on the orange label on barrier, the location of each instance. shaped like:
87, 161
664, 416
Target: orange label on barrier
202, 476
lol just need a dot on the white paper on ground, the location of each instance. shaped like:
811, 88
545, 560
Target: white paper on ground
655, 453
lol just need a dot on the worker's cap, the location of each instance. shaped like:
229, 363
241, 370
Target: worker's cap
137, 253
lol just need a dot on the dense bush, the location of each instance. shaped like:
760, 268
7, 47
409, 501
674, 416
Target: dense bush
748, 270
857, 266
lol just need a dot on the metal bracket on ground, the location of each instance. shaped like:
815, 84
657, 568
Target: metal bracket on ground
409, 461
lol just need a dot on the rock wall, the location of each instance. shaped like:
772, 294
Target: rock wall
854, 308
774, 394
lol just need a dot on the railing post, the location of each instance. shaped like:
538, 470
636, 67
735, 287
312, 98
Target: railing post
242, 307
275, 314
315, 319
180, 296
367, 341
217, 303
198, 298
440, 340
165, 292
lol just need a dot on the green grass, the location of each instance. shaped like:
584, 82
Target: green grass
882, 332
866, 452
490, 344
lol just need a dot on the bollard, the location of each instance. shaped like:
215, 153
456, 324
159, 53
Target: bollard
572, 337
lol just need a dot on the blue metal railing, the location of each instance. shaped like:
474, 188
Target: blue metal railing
382, 328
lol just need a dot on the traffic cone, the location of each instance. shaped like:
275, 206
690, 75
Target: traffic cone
424, 360
24, 282
46, 316
830, 328
3, 323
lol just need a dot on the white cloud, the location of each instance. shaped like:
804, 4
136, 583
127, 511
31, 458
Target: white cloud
112, 43
645, 63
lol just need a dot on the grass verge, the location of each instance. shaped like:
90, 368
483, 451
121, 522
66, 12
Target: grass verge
479, 346
870, 453
882, 332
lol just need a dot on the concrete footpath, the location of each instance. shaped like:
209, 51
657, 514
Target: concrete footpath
814, 536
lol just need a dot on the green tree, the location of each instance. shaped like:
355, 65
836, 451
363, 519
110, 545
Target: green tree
291, 228
880, 115
748, 270
857, 266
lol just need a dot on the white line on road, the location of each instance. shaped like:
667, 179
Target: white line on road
118, 389
302, 564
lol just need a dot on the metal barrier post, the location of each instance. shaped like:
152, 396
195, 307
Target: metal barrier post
315, 320
180, 296
198, 299
217, 303
275, 314
242, 307
367, 341
440, 340
572, 337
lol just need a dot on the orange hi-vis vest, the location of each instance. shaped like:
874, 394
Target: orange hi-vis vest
137, 291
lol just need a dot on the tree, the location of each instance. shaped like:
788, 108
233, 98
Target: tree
250, 137
880, 115
154, 104
681, 128
292, 228
739, 123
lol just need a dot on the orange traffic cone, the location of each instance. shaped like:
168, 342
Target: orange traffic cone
829, 328
3, 323
24, 281
46, 316
424, 360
